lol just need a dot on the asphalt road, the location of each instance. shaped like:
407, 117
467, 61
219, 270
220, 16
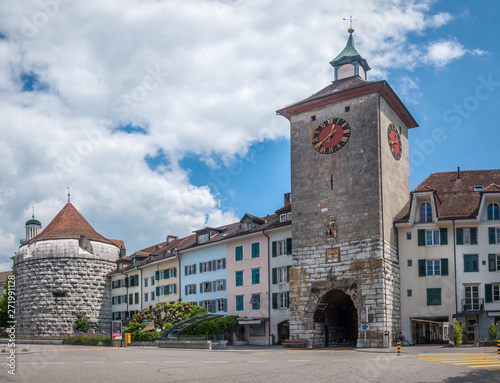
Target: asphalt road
75, 364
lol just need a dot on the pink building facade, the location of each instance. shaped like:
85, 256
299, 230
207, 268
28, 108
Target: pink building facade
248, 284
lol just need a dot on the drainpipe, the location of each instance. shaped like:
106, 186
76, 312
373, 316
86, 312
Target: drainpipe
269, 295
455, 265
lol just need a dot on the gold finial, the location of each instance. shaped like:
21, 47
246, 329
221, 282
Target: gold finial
350, 30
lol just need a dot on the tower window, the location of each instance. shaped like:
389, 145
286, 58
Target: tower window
347, 108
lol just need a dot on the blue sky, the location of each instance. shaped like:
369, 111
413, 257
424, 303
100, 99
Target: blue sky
160, 115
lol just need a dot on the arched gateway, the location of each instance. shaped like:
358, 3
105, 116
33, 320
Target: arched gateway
337, 313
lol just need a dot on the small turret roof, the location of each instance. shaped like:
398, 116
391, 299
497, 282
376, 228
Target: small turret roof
349, 50
33, 221
349, 54
69, 223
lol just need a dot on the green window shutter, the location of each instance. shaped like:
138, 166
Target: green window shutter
274, 247
256, 250
488, 292
288, 299
125, 299
255, 276
158, 291
444, 266
460, 236
166, 274
421, 237
275, 301
491, 235
289, 246
473, 235
275, 275
166, 289
157, 275
238, 253
492, 262
175, 288
288, 273
434, 297
421, 268
443, 233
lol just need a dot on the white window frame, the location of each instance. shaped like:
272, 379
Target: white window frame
146, 297
431, 237
153, 296
432, 263
281, 247
282, 271
152, 281
220, 305
283, 217
191, 289
202, 238
282, 301
145, 282
496, 292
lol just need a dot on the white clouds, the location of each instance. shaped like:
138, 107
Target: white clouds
442, 52
204, 78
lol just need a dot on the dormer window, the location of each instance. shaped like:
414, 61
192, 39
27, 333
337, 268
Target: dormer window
202, 238
493, 212
246, 226
283, 217
425, 212
119, 266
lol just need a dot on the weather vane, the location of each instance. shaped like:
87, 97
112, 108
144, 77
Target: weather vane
350, 19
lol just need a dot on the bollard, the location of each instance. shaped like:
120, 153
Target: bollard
399, 348
498, 347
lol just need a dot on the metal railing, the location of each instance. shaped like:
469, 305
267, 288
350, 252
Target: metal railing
469, 304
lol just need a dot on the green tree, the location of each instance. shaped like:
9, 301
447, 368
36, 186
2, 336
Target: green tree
161, 315
458, 332
493, 331
4, 303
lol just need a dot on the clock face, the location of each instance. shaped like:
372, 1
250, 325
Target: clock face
394, 141
331, 135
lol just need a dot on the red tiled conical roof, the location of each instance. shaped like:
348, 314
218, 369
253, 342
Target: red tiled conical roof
69, 223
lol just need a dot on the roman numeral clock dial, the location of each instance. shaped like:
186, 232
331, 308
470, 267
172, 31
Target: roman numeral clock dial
331, 135
394, 139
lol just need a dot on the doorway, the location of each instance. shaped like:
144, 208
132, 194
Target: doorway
339, 316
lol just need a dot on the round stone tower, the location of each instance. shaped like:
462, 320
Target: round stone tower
63, 271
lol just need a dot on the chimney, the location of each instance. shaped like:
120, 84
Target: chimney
171, 238
288, 199
458, 174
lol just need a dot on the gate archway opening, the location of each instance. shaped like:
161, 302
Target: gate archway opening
339, 316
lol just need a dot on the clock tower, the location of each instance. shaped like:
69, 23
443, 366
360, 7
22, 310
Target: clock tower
350, 178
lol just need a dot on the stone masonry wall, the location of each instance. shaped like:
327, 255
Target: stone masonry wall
367, 273
56, 279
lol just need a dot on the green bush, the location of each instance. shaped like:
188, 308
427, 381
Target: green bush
81, 323
218, 326
493, 331
135, 328
87, 338
458, 331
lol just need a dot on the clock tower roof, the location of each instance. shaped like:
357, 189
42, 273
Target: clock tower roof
348, 88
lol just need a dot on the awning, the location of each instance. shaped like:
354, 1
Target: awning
494, 313
464, 315
251, 320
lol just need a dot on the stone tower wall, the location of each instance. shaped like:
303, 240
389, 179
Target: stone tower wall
55, 279
354, 184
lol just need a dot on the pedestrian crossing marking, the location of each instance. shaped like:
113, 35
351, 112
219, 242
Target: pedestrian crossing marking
471, 360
